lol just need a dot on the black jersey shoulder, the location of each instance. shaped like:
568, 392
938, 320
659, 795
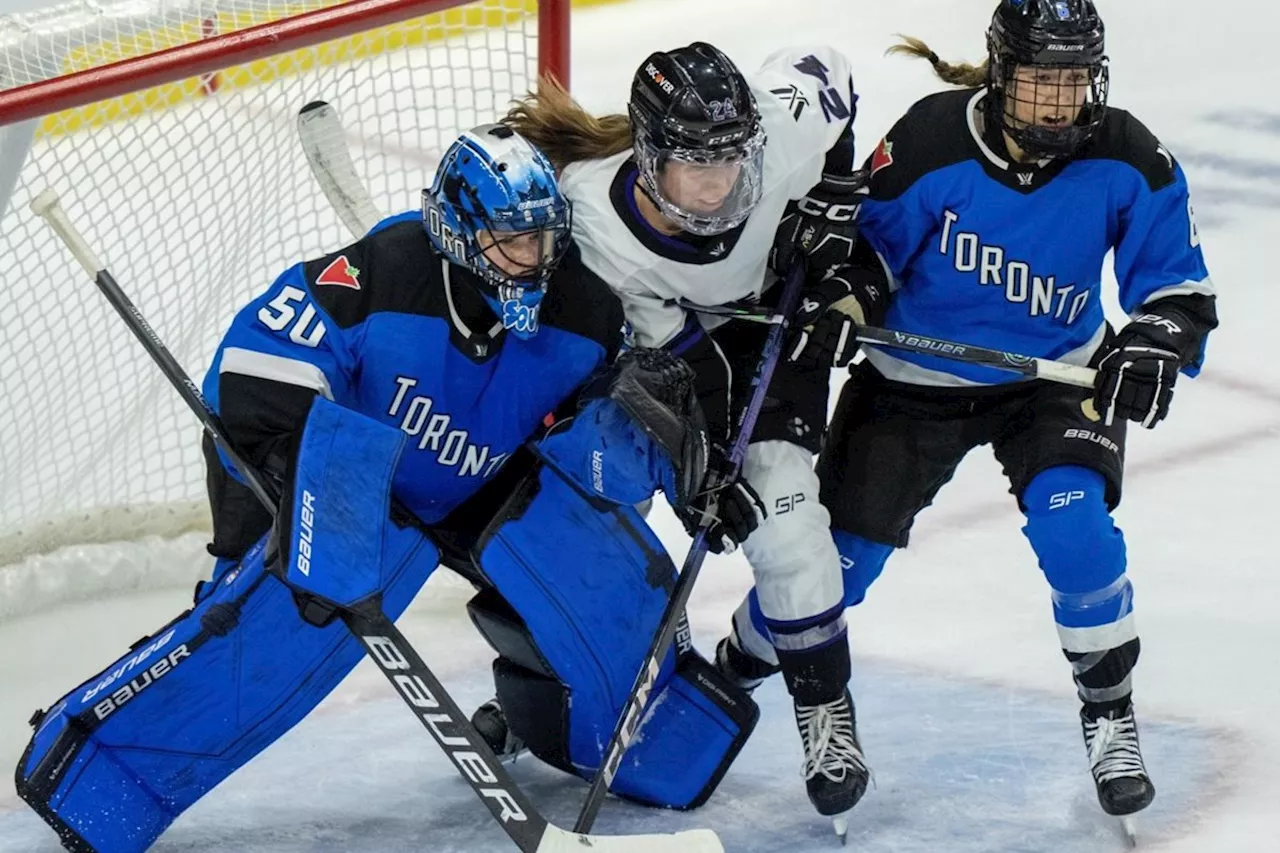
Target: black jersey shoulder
932, 135
394, 269
579, 302
1122, 137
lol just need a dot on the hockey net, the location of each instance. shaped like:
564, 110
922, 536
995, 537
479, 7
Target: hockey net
178, 159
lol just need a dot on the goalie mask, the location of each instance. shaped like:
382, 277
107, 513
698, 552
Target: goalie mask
496, 209
1047, 74
698, 139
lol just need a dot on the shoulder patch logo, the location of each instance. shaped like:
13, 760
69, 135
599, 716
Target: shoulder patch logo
1164, 152
340, 273
883, 158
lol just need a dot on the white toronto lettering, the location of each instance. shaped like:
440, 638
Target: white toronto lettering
995, 268
418, 417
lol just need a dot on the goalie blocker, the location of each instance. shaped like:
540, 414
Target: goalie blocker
114, 762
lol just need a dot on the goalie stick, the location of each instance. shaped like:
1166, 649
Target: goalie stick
324, 143
1030, 366
383, 642
672, 618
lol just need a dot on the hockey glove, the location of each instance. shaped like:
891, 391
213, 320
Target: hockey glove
733, 508
819, 228
656, 389
1138, 369
825, 326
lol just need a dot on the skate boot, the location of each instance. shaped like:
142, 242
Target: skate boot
1115, 760
491, 723
741, 669
835, 771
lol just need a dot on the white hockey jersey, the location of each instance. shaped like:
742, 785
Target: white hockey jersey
805, 96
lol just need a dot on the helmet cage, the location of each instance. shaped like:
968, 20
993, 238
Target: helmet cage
1056, 37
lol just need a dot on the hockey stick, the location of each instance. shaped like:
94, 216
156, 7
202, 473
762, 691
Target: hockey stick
383, 642
324, 143
1028, 365
632, 711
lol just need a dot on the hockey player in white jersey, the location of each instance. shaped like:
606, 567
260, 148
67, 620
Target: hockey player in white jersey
704, 195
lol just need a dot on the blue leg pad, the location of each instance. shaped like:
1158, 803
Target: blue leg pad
589, 586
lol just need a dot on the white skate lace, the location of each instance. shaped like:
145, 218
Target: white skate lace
1113, 748
830, 747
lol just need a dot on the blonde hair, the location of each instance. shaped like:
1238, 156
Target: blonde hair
552, 120
957, 74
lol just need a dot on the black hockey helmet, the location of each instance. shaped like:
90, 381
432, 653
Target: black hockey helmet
692, 107
1065, 40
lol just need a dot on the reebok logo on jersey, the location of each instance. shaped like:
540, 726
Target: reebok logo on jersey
340, 273
883, 158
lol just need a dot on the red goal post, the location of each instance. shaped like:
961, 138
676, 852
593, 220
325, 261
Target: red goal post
167, 128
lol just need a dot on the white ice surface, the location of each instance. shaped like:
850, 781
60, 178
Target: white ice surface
966, 706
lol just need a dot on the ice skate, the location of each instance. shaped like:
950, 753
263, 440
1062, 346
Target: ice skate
743, 670
491, 723
1115, 759
835, 771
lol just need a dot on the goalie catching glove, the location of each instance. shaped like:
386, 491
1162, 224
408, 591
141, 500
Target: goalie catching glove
639, 428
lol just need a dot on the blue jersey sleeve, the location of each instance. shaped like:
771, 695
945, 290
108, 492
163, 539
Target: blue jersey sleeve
896, 220
280, 351
1157, 251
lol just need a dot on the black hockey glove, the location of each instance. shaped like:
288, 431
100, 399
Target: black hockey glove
1138, 369
820, 228
656, 389
732, 505
825, 326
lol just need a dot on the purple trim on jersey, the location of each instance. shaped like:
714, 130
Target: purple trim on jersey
632, 175
687, 337
798, 626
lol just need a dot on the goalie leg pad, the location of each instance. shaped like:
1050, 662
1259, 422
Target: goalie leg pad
116, 760
589, 598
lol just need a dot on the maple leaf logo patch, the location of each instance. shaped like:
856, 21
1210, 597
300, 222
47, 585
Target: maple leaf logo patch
340, 273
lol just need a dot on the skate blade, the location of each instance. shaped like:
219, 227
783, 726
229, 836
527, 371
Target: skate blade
1129, 826
840, 823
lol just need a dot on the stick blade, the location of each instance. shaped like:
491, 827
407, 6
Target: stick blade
557, 840
325, 145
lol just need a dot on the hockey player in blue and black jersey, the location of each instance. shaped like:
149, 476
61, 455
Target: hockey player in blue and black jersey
460, 331
993, 209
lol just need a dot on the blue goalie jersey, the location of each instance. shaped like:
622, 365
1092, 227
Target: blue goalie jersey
384, 327
1009, 256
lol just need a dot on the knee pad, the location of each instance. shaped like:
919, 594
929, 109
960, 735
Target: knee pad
861, 561
1080, 549
575, 614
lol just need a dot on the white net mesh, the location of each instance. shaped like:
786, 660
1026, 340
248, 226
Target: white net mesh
196, 195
